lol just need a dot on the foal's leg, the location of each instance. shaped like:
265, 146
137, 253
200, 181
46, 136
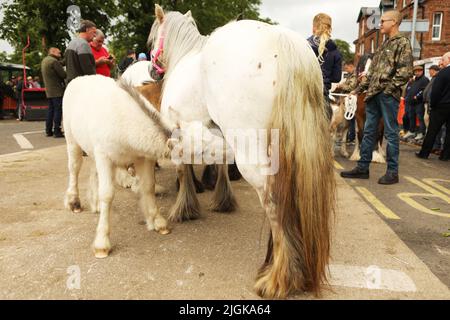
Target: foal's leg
75, 160
186, 206
105, 169
93, 189
145, 170
223, 199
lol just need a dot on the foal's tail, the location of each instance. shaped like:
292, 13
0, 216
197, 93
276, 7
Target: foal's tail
303, 190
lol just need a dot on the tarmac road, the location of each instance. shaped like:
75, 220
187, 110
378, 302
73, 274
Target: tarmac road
32, 131
45, 250
417, 209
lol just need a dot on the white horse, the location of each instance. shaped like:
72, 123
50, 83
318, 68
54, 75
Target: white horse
134, 75
251, 75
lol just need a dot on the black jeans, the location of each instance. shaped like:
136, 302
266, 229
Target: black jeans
419, 111
438, 117
54, 116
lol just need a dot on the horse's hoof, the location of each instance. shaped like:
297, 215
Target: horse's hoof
164, 231
75, 207
101, 253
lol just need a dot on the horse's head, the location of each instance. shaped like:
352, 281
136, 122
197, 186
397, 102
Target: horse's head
166, 30
194, 143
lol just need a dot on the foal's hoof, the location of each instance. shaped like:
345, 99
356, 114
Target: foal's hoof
164, 231
101, 253
75, 207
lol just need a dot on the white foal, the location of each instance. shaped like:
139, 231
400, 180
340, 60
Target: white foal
115, 126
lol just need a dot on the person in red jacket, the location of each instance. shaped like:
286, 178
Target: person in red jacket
103, 60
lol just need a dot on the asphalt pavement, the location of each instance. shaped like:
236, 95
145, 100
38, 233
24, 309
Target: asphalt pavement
45, 251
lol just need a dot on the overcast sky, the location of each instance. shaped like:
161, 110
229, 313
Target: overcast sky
298, 15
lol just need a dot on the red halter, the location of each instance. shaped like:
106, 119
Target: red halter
159, 51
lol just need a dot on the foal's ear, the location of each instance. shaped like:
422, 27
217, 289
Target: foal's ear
188, 14
159, 13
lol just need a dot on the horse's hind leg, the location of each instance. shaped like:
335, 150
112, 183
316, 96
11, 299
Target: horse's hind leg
186, 206
209, 176
233, 172
75, 160
145, 170
223, 199
105, 170
199, 187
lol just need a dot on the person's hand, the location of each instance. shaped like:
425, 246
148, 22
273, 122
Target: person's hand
102, 60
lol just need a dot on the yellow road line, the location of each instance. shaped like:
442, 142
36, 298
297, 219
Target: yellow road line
428, 188
432, 182
385, 211
338, 166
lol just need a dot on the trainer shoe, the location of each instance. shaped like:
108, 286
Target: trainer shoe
419, 137
389, 178
355, 173
408, 135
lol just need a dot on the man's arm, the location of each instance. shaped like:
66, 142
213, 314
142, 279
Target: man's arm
437, 89
86, 58
404, 70
60, 72
87, 63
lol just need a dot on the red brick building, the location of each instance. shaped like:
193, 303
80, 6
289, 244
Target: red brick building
433, 43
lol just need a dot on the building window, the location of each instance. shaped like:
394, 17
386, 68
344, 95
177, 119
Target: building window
361, 49
404, 3
395, 4
437, 26
372, 46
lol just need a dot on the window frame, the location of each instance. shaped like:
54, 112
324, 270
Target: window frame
433, 25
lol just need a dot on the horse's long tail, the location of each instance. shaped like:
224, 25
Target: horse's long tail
303, 190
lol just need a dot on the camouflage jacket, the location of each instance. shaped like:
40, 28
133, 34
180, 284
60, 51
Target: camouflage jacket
350, 84
391, 68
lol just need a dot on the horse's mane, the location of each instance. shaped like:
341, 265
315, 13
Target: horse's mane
181, 37
148, 110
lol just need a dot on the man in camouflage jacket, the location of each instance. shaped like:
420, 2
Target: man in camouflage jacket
391, 68
351, 82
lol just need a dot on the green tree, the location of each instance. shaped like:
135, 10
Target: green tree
132, 27
344, 48
44, 21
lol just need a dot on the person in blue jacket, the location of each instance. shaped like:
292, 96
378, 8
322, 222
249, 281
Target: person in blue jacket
327, 52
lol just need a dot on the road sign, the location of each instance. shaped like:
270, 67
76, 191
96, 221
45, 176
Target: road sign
422, 25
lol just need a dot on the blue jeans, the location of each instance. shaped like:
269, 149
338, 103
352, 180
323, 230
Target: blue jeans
385, 106
54, 116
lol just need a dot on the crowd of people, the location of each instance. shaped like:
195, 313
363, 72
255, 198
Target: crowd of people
390, 78
85, 55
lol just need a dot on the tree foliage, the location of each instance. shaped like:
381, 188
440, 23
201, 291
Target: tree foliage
44, 21
344, 48
126, 23
137, 16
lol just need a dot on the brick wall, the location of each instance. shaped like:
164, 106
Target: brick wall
430, 48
